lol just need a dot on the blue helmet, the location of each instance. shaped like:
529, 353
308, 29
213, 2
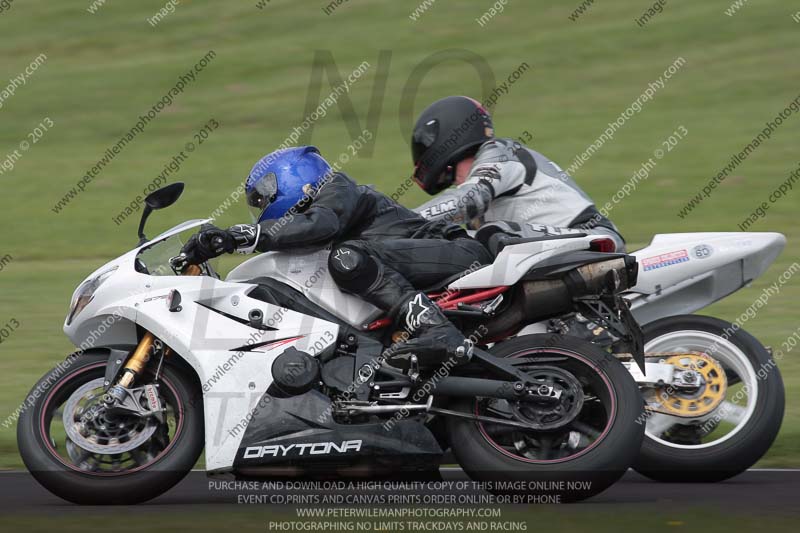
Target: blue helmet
277, 182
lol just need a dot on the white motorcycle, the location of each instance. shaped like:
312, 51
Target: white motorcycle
276, 372
732, 408
714, 395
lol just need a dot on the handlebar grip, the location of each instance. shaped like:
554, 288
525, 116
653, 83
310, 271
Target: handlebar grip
179, 264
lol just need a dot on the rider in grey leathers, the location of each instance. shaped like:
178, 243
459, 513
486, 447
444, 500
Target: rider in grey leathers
497, 180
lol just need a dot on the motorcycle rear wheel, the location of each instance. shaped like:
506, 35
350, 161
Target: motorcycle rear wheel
561, 464
686, 452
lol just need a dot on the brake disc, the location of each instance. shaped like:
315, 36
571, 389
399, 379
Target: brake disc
702, 388
92, 431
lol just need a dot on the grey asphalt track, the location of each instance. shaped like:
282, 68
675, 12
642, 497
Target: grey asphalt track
756, 491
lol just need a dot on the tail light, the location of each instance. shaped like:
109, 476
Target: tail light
604, 245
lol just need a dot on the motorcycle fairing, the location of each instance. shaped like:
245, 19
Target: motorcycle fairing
306, 419
308, 273
682, 273
211, 332
217, 339
278, 293
515, 260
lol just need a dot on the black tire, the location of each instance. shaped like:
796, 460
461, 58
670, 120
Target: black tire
594, 470
742, 450
129, 488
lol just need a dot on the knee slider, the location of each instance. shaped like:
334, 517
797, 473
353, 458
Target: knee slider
352, 269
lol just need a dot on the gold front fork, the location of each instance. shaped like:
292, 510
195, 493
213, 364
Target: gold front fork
141, 356
138, 360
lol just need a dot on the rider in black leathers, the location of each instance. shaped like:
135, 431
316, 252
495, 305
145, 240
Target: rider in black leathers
380, 250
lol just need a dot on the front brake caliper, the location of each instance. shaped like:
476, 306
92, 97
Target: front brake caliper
142, 401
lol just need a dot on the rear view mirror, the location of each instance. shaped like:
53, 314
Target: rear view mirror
165, 196
158, 199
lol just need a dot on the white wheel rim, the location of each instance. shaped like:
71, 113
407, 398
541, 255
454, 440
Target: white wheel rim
732, 358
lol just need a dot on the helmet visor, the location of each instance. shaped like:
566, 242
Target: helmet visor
447, 177
261, 194
423, 138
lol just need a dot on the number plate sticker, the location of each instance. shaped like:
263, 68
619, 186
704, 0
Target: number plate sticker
665, 260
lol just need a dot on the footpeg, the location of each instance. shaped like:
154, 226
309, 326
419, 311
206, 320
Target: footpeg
465, 351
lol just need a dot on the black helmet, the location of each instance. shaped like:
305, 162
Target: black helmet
447, 131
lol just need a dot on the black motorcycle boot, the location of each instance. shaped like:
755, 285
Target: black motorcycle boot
427, 334
423, 330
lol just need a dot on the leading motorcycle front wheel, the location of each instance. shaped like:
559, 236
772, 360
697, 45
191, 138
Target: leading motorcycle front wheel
583, 443
83, 453
732, 418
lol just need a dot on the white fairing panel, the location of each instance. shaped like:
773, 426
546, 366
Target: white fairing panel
515, 260
308, 273
233, 379
232, 360
684, 272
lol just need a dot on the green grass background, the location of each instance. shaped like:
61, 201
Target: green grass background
104, 70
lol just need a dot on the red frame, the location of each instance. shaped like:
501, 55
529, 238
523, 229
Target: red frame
448, 301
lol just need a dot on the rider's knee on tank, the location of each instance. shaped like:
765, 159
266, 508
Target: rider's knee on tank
352, 268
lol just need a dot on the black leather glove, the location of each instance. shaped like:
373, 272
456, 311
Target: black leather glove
246, 237
212, 242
